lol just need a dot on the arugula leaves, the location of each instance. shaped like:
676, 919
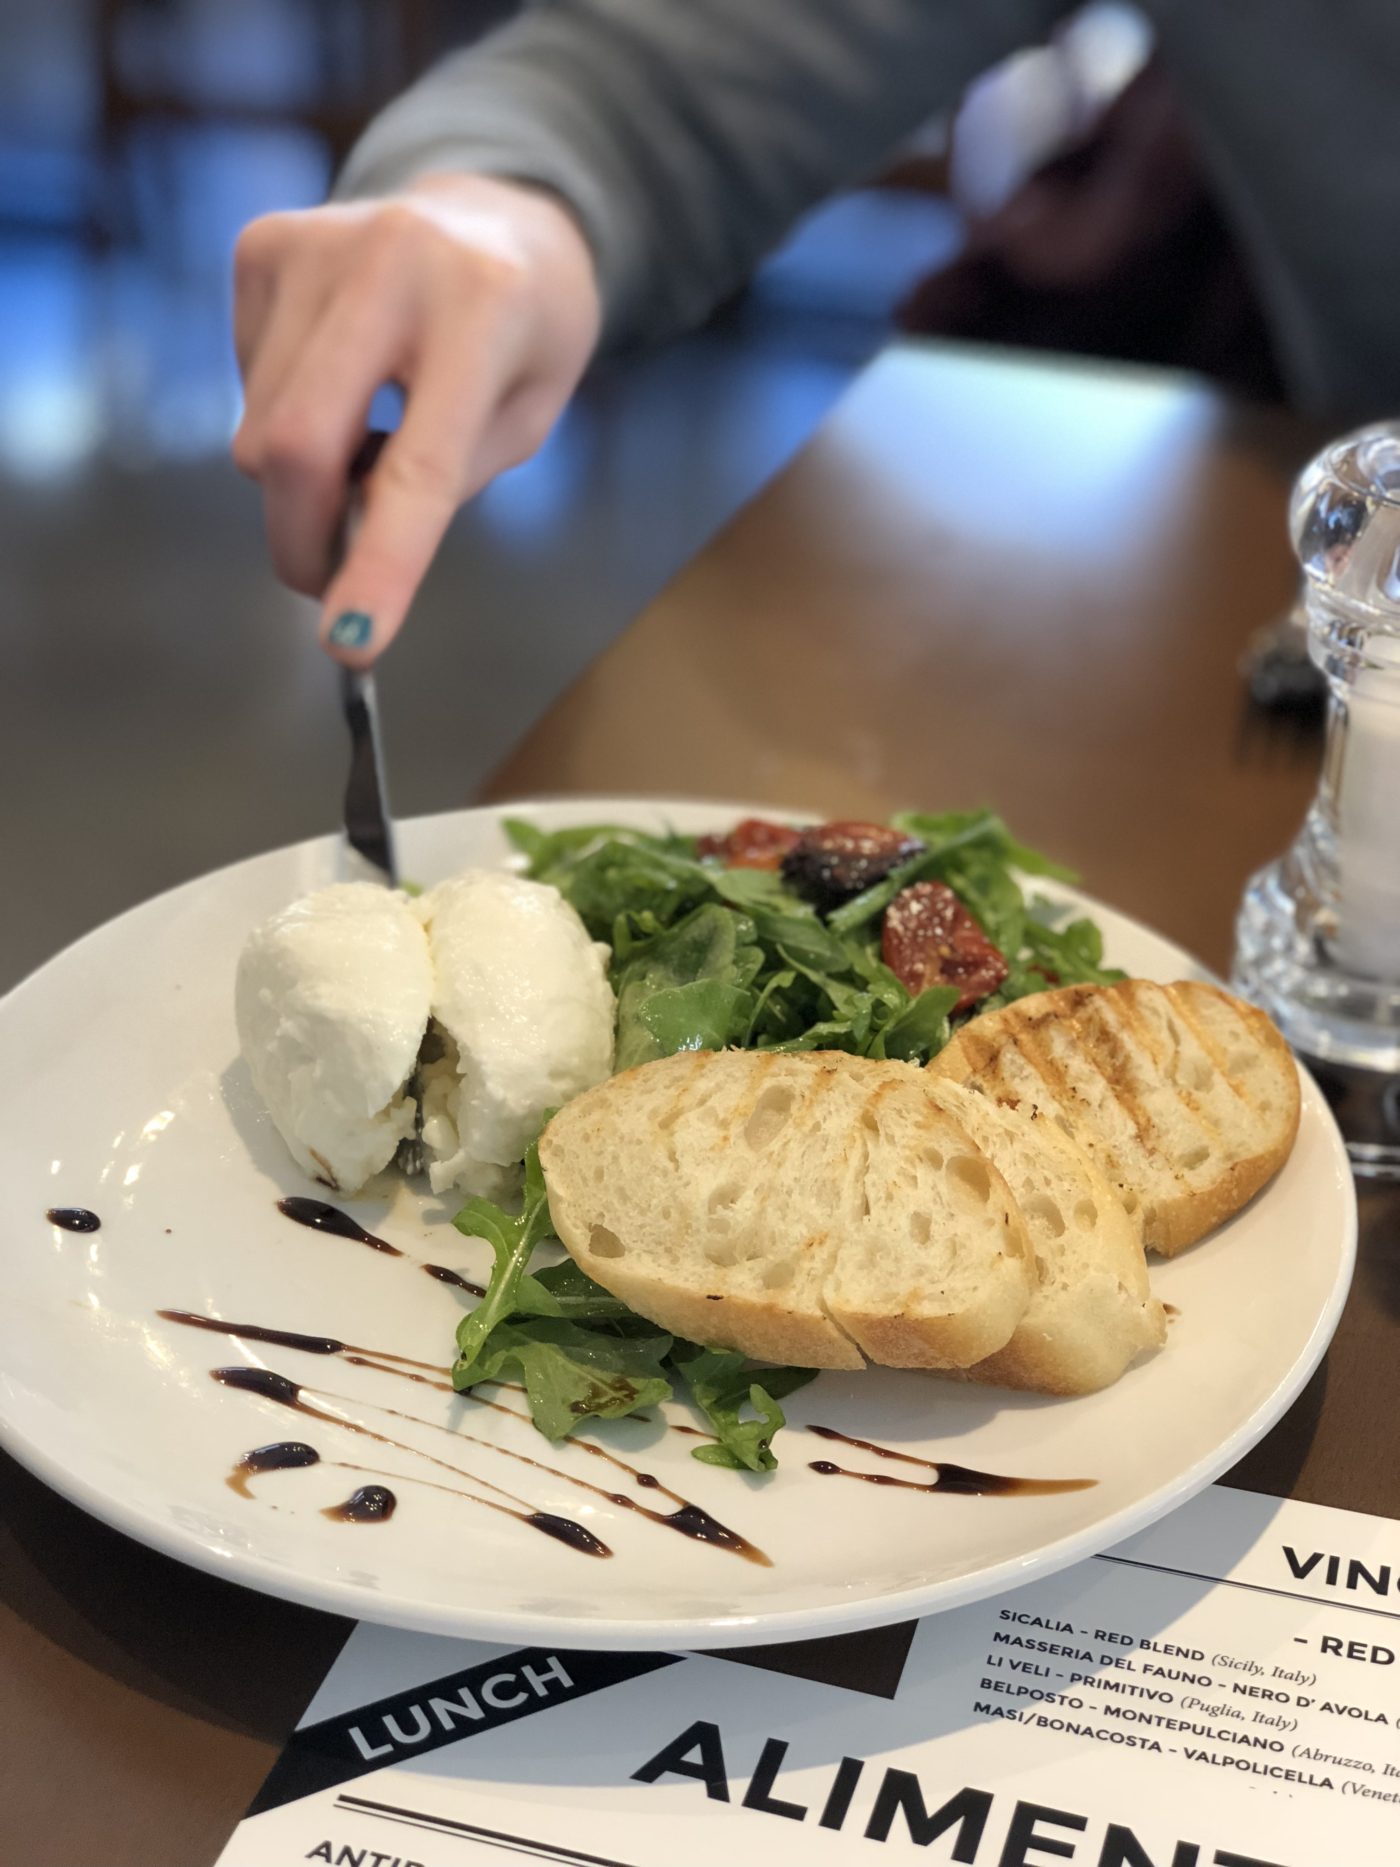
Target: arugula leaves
512, 1240
569, 1291
922, 1028
1074, 954
685, 987
546, 849
1071, 955
571, 1373
581, 1354
706, 957
991, 832
722, 1384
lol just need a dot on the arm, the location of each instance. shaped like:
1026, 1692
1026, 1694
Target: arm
688, 135
599, 167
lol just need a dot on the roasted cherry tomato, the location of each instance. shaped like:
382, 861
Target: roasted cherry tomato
752, 844
930, 939
837, 860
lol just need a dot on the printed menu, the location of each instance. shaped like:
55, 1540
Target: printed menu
1221, 1690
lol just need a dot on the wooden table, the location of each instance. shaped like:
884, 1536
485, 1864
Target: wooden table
984, 580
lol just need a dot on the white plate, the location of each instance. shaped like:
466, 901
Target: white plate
121, 1090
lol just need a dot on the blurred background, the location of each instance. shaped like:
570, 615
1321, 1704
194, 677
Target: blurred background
145, 636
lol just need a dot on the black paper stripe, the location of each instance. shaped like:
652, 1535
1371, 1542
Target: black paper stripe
871, 1661
407, 1724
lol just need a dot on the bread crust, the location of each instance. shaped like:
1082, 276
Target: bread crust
907, 1340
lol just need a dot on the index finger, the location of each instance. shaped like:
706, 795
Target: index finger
418, 482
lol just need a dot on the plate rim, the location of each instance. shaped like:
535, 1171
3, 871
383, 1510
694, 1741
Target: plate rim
769, 1626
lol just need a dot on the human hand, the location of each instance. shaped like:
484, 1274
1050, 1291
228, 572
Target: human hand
478, 297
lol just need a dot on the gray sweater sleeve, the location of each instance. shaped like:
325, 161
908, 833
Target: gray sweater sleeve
687, 135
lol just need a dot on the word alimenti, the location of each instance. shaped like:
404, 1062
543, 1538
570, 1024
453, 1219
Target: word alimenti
975, 1827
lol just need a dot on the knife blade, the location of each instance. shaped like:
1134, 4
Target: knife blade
369, 827
369, 824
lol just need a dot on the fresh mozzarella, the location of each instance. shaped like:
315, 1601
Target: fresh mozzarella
332, 1001
526, 1017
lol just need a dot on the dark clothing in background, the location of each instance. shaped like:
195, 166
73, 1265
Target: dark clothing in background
1116, 249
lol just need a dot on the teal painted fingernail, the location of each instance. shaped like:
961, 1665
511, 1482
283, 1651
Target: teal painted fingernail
351, 629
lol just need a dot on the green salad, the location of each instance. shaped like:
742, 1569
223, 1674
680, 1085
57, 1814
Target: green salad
878, 940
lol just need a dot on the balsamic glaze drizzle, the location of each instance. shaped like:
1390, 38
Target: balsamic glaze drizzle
367, 1504
255, 1332
290, 1453
445, 1275
323, 1218
73, 1218
289, 1338
960, 1480
284, 1455
687, 1519
267, 1384
565, 1530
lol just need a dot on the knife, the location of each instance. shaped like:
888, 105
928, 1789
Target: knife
369, 827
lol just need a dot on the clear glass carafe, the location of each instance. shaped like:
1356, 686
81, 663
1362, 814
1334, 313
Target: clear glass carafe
1318, 936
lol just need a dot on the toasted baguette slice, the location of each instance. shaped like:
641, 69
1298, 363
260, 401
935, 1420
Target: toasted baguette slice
1092, 1310
800, 1208
1185, 1098
711, 1196
937, 1271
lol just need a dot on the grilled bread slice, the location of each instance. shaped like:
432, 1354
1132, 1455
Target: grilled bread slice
1185, 1098
808, 1208
937, 1270
1092, 1310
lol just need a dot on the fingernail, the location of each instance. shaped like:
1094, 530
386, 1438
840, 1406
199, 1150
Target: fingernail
352, 628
